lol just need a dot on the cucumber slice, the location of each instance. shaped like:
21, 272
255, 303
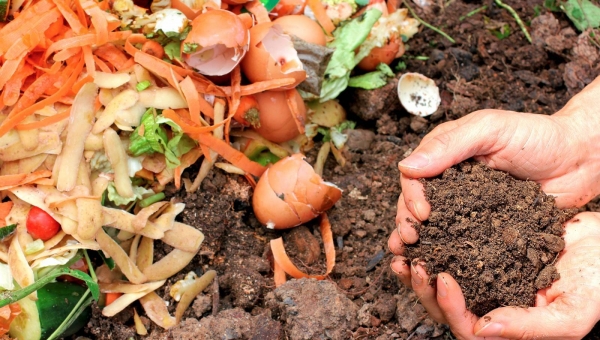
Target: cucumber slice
9, 229
4, 8
38, 320
26, 326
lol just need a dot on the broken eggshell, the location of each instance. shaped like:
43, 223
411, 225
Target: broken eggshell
216, 44
418, 94
290, 193
272, 56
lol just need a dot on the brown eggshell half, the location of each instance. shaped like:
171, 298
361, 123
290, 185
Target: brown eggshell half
272, 56
385, 54
302, 27
222, 40
276, 121
270, 209
306, 197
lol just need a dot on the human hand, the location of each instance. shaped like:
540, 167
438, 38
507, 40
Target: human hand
566, 310
557, 151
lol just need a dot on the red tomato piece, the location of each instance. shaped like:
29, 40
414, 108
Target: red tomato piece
41, 225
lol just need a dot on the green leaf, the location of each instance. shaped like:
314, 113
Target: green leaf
7, 231
190, 48
325, 132
401, 66
346, 125
551, 5
173, 50
84, 302
152, 139
155, 139
265, 158
368, 81
138, 193
501, 33
348, 38
362, 2
110, 263
583, 13
141, 86
372, 80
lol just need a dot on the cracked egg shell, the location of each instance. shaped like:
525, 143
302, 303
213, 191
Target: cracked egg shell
275, 116
303, 27
221, 40
290, 193
418, 94
272, 56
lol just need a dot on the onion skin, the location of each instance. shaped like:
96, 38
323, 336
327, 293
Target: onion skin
303, 27
385, 54
290, 193
258, 65
275, 117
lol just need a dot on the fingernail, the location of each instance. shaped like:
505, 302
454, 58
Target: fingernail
400, 234
442, 290
397, 259
417, 278
415, 161
491, 329
416, 210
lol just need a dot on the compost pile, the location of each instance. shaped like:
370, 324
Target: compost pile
497, 236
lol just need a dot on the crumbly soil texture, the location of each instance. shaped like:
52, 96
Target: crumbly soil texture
497, 236
362, 299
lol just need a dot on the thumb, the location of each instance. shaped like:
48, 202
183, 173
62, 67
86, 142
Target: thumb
560, 320
450, 144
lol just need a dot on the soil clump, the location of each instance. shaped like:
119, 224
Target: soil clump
498, 236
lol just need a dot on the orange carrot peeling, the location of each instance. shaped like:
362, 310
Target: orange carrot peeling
154, 49
319, 10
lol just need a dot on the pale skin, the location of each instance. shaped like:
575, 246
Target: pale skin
562, 153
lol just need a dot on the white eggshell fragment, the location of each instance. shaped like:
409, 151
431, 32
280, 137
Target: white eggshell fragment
418, 94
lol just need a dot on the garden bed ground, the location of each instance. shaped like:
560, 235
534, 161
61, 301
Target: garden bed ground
362, 299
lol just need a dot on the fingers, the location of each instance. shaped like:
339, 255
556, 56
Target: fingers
426, 293
401, 268
469, 136
414, 197
395, 243
451, 302
404, 222
562, 319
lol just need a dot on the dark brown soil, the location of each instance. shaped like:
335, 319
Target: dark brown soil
496, 235
479, 71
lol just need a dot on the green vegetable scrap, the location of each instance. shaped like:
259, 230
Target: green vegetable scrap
138, 193
152, 136
372, 80
348, 38
583, 13
7, 231
171, 41
141, 86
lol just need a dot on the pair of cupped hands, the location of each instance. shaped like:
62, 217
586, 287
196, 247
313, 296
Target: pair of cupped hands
562, 153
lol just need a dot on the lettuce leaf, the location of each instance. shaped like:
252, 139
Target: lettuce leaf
117, 199
151, 136
348, 38
372, 80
